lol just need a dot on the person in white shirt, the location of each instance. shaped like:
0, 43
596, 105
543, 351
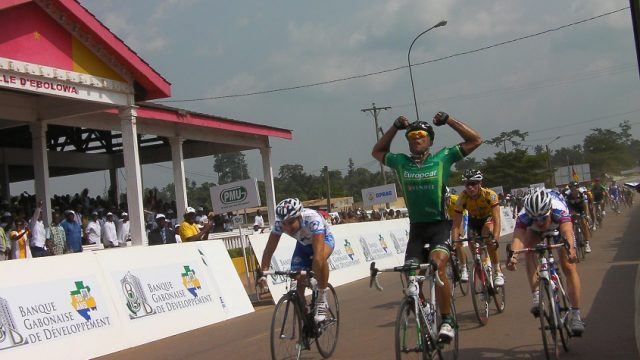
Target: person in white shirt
109, 233
38, 237
124, 228
93, 232
258, 222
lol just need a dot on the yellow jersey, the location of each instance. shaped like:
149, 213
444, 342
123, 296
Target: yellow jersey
480, 207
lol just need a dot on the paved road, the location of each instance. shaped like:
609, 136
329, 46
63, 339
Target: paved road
608, 276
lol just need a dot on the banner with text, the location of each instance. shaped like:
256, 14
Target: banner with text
379, 194
234, 196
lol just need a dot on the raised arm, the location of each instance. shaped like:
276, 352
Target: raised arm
471, 137
384, 144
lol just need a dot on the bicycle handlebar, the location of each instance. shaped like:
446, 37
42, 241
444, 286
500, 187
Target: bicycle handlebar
290, 273
403, 268
541, 246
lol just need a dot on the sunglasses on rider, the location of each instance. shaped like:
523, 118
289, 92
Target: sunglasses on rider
471, 183
417, 134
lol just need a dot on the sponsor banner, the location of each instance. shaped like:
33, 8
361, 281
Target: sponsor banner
520, 191
578, 172
498, 189
65, 306
507, 221
379, 194
235, 196
42, 79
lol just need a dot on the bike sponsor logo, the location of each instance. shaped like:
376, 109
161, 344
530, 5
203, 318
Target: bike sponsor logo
156, 294
233, 195
60, 313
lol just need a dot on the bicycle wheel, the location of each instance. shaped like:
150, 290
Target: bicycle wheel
479, 295
286, 330
548, 320
563, 307
411, 333
580, 251
328, 329
454, 273
499, 298
450, 351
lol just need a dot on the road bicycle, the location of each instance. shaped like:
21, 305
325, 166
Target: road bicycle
554, 305
293, 328
454, 271
416, 326
482, 288
581, 243
599, 214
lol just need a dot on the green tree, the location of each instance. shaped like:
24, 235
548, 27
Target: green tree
516, 168
230, 167
292, 182
467, 163
508, 137
607, 150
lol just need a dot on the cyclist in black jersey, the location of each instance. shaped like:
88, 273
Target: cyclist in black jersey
577, 202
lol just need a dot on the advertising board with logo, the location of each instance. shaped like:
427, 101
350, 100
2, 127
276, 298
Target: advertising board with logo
52, 311
235, 196
379, 194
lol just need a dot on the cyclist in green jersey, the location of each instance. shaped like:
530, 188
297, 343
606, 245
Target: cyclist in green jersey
423, 177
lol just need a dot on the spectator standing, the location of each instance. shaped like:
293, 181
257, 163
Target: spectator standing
93, 232
258, 221
109, 233
72, 231
177, 232
6, 222
20, 241
163, 234
56, 239
37, 242
124, 234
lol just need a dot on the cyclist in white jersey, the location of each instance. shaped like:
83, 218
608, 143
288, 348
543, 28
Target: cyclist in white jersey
314, 245
546, 210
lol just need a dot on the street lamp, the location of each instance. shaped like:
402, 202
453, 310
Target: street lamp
551, 179
415, 102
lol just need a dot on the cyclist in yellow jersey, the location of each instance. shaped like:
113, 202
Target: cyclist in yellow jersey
483, 206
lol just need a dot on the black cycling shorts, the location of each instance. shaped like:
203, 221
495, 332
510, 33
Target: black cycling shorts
436, 234
476, 224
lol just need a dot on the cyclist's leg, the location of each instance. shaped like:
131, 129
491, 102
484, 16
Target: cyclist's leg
530, 240
322, 249
573, 279
440, 255
301, 260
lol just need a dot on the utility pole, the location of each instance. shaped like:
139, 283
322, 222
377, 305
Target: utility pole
326, 169
375, 111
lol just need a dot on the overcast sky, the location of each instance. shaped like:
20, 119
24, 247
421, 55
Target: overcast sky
558, 83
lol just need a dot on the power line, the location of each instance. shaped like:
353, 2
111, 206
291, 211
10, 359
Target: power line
399, 67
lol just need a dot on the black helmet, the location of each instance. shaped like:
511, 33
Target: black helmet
421, 125
472, 175
574, 184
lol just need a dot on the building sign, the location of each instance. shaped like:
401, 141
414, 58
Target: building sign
19, 75
152, 291
51, 311
379, 194
235, 196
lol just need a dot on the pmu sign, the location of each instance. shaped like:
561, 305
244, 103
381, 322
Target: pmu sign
379, 194
235, 196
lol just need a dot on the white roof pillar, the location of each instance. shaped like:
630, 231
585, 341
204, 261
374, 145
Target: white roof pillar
179, 181
134, 174
267, 172
41, 168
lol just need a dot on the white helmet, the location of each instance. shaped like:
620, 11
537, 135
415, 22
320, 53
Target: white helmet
538, 203
189, 210
288, 209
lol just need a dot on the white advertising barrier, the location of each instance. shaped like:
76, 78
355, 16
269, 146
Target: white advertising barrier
161, 291
356, 246
81, 306
57, 307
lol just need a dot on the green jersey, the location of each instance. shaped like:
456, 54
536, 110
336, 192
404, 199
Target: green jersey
424, 185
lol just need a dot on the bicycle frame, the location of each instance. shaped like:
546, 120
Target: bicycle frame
428, 311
